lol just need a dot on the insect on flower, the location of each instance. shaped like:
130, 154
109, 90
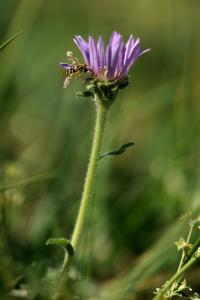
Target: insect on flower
74, 69
104, 64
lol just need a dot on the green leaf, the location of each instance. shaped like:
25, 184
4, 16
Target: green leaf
61, 242
118, 151
9, 41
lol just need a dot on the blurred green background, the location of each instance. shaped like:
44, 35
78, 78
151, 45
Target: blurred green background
128, 248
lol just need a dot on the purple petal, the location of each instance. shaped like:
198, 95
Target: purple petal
116, 56
120, 67
101, 54
134, 47
108, 59
133, 54
115, 36
129, 46
115, 41
83, 47
130, 62
94, 60
112, 52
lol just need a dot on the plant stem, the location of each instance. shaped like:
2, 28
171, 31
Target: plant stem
101, 111
182, 259
174, 278
194, 248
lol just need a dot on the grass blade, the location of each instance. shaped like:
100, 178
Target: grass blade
4, 45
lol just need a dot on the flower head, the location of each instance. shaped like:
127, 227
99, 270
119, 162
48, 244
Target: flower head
112, 62
106, 65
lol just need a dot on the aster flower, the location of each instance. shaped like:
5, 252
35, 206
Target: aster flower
105, 70
104, 65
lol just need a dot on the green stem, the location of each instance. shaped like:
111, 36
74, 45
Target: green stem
174, 278
194, 248
182, 258
89, 180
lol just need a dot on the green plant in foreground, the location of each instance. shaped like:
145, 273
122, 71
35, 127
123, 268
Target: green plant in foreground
177, 285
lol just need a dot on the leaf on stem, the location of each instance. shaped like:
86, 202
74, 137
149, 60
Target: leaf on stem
118, 151
61, 242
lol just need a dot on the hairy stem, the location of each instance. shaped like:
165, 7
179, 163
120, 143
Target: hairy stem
89, 180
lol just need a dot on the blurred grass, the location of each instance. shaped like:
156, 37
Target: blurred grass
140, 194
6, 43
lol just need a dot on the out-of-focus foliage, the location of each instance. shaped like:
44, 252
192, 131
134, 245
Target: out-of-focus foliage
45, 140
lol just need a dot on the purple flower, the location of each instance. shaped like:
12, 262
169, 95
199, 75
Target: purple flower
109, 63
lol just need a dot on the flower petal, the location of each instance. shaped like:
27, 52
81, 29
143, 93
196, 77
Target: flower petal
129, 46
83, 47
119, 72
116, 56
108, 60
133, 54
115, 41
101, 53
94, 59
111, 51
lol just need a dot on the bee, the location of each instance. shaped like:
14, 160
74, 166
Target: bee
76, 70
73, 70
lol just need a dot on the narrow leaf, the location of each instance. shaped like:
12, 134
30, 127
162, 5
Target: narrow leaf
118, 151
61, 242
9, 40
